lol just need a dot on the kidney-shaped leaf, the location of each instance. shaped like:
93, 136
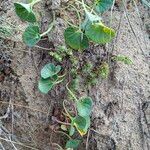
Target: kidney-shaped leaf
31, 36
49, 70
75, 38
24, 11
103, 5
99, 33
45, 85
72, 143
84, 106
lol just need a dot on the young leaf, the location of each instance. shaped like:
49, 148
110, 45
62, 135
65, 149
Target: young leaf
24, 11
31, 36
49, 70
126, 60
104, 70
45, 85
99, 33
84, 106
71, 130
63, 127
103, 5
72, 143
75, 38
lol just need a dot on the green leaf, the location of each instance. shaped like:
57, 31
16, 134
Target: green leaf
88, 123
75, 38
72, 130
99, 33
79, 122
103, 5
45, 85
31, 36
126, 60
24, 11
49, 70
72, 143
84, 106
82, 124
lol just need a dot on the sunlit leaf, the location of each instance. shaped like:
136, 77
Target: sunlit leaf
45, 85
99, 33
31, 36
103, 5
72, 143
84, 106
24, 11
75, 38
49, 70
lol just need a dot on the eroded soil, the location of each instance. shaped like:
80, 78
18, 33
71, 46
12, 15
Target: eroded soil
121, 113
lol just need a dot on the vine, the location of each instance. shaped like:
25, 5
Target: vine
78, 38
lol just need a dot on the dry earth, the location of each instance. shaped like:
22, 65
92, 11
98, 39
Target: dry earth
121, 113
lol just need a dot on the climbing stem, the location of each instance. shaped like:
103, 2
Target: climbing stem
71, 93
49, 29
66, 110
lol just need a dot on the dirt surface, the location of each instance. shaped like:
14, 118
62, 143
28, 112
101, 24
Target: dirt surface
121, 113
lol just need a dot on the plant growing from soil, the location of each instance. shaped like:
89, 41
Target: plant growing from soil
79, 120
31, 35
90, 29
121, 58
49, 77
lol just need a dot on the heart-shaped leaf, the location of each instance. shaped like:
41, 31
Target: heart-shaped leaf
103, 5
72, 143
31, 36
82, 124
79, 122
99, 33
75, 38
84, 106
49, 70
24, 11
45, 85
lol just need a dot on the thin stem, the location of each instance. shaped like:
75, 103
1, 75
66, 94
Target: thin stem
63, 133
34, 2
70, 23
66, 110
60, 148
58, 81
64, 123
71, 93
86, 7
62, 76
49, 29
51, 26
79, 17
